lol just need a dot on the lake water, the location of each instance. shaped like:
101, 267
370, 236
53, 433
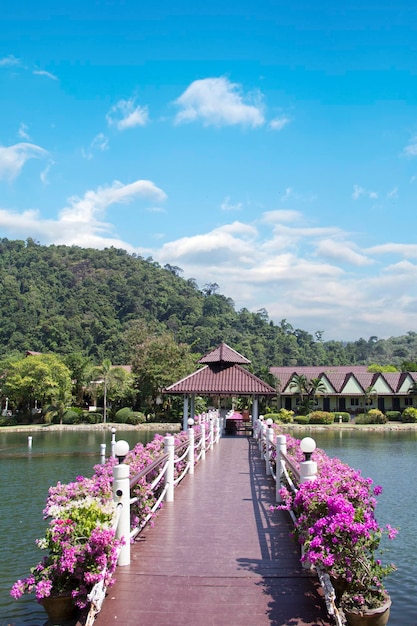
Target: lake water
25, 476
388, 458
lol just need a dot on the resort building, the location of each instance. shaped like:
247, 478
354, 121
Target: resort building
348, 388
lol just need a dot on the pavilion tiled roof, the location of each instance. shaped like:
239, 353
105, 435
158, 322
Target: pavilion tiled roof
223, 380
224, 354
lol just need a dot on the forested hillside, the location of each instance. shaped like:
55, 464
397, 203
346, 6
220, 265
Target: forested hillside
68, 299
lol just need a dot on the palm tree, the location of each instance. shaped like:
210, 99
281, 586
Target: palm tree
315, 387
367, 396
299, 382
107, 375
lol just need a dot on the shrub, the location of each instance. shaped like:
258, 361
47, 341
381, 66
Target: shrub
345, 416
377, 416
374, 416
320, 417
122, 415
284, 416
393, 416
301, 419
135, 417
409, 415
71, 416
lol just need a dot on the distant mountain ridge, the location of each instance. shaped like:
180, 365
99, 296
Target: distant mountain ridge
67, 299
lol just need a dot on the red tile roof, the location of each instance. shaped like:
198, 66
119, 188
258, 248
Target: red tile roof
224, 354
217, 379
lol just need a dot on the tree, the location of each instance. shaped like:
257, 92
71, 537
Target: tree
37, 378
157, 362
108, 377
80, 366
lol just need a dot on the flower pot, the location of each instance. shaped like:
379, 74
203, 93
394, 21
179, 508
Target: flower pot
369, 617
60, 609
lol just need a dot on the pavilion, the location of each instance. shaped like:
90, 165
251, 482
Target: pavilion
222, 375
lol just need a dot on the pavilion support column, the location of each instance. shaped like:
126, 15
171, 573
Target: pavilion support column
255, 409
185, 414
192, 407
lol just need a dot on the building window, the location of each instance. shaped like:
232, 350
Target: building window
408, 401
354, 402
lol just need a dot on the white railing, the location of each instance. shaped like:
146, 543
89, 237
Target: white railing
173, 465
191, 452
283, 471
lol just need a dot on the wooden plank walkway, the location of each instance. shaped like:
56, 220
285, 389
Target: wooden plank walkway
217, 556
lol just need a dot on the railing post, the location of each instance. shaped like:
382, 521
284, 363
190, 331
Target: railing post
260, 432
217, 423
211, 433
121, 496
269, 438
191, 445
203, 440
169, 447
113, 442
281, 444
102, 453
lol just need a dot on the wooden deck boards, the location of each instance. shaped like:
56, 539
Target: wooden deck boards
217, 556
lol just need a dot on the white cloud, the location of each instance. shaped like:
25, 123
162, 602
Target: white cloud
342, 251
281, 216
9, 61
45, 172
226, 205
23, 132
407, 250
279, 123
411, 149
45, 73
359, 191
83, 210
80, 223
219, 102
100, 143
13, 158
127, 114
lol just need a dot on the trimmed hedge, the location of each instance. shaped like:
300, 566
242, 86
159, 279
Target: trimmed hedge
393, 416
409, 415
320, 417
345, 416
373, 416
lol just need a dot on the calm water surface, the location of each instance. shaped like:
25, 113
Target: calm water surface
25, 477
389, 459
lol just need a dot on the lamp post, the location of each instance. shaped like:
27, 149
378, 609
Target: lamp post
121, 496
308, 468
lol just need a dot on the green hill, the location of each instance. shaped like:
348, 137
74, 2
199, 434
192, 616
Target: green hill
69, 299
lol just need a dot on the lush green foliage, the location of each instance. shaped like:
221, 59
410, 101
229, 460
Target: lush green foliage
76, 301
341, 414
409, 415
284, 416
373, 416
320, 417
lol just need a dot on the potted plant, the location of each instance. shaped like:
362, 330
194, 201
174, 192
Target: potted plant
81, 551
339, 533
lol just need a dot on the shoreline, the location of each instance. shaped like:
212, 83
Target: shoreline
177, 427
33, 428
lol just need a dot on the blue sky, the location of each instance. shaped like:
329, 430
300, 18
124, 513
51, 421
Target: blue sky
269, 147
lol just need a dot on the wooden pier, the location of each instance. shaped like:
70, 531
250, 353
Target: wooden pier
217, 556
